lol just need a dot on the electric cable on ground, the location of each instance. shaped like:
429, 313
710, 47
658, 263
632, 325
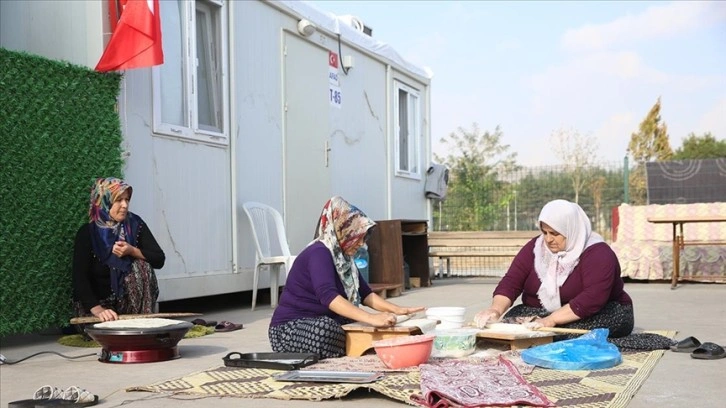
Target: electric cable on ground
4, 361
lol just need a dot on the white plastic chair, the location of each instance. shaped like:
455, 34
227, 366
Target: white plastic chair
271, 246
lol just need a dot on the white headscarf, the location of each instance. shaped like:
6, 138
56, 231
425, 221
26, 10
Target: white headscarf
569, 220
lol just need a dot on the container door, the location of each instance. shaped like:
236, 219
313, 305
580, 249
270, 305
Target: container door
307, 140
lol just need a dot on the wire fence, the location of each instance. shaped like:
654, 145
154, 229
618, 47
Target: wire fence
515, 200
511, 200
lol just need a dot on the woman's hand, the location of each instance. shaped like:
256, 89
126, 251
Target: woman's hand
122, 248
104, 314
486, 316
543, 322
382, 320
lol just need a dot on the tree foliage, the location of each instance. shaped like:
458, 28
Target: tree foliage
542, 185
478, 165
578, 153
650, 143
701, 147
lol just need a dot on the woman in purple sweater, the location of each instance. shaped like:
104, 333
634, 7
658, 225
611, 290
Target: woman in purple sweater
568, 277
324, 289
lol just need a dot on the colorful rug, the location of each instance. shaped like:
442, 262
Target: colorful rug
477, 384
609, 388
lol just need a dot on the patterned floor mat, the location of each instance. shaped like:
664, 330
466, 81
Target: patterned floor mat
609, 388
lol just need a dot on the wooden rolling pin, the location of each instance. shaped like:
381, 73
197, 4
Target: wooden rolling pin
94, 319
562, 330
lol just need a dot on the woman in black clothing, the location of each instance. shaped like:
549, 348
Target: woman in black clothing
114, 257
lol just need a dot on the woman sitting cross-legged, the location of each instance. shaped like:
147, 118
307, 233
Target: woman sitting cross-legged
568, 277
324, 289
114, 257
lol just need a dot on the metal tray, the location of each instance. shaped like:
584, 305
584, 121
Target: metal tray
274, 361
357, 377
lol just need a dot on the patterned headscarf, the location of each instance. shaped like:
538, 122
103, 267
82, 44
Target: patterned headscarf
342, 225
105, 231
569, 220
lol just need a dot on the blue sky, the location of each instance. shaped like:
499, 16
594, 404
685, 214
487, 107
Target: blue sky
533, 67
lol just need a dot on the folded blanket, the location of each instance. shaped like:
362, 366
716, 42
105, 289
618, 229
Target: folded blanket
460, 383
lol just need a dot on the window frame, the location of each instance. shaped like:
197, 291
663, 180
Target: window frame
416, 135
193, 130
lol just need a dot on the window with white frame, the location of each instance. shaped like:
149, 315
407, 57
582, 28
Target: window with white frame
190, 100
407, 107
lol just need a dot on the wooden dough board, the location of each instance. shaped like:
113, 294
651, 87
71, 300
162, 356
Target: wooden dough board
516, 341
359, 337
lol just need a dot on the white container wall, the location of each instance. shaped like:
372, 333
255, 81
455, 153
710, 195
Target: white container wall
295, 131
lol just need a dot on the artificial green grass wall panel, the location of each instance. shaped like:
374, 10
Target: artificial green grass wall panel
59, 130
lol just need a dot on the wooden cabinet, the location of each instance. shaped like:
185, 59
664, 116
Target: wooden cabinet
391, 243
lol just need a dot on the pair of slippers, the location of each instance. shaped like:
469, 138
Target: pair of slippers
223, 326
49, 396
698, 350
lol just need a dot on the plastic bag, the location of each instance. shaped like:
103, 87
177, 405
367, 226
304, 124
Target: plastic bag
590, 351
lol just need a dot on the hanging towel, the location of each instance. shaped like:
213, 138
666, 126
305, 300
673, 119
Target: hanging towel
437, 181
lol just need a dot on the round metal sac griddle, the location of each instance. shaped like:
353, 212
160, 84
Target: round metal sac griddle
139, 345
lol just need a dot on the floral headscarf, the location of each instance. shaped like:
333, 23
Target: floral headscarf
105, 231
342, 225
569, 220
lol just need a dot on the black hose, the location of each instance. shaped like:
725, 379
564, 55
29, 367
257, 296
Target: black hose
4, 361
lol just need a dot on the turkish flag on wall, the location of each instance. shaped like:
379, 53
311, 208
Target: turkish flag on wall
136, 39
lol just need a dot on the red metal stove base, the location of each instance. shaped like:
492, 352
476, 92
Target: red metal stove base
139, 356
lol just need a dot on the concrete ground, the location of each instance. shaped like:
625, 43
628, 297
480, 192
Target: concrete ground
678, 380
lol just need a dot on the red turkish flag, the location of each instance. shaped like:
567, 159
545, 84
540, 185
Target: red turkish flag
136, 40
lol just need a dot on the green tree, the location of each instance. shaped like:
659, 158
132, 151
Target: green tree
479, 164
701, 147
578, 152
539, 186
650, 143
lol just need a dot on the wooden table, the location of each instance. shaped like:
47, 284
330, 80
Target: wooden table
678, 240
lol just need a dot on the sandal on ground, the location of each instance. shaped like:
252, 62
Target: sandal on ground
225, 326
44, 393
72, 397
709, 351
202, 322
686, 345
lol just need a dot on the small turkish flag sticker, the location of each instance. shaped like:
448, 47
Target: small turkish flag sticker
333, 59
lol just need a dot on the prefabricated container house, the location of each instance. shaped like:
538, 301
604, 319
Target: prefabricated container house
269, 101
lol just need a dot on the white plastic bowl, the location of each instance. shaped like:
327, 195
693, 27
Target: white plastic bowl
449, 317
449, 325
451, 312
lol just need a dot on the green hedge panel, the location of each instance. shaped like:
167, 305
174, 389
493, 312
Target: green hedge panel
59, 130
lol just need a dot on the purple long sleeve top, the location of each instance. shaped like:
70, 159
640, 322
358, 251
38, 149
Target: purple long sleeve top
311, 286
593, 283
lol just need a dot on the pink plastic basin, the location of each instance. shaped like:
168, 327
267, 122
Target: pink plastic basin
405, 351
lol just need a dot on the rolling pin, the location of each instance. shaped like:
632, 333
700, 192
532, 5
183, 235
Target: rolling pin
94, 319
561, 330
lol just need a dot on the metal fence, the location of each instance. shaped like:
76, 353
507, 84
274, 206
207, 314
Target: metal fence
512, 201
515, 201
